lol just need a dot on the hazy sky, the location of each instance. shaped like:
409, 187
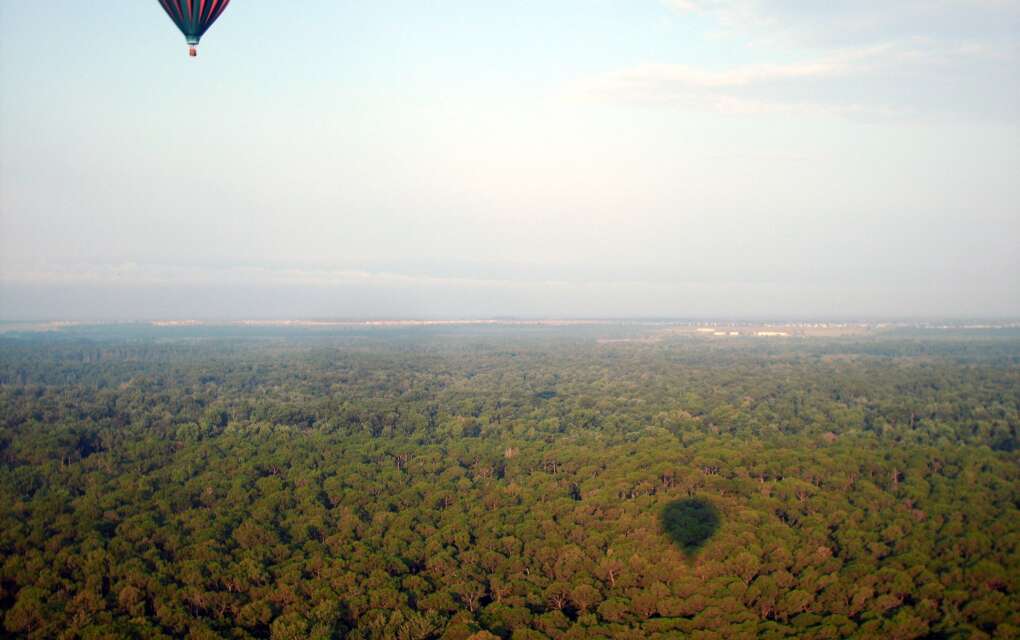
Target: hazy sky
331, 158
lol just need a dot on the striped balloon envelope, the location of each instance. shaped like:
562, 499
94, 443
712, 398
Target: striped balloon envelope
194, 17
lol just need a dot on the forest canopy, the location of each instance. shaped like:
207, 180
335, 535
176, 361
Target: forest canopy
516, 485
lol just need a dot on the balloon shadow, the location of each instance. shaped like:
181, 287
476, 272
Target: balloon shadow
690, 523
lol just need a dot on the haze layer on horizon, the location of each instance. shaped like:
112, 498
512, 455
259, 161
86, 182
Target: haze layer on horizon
581, 158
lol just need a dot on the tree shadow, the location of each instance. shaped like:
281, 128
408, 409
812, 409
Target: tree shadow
690, 523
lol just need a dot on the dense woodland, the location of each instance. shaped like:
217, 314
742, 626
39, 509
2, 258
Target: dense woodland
517, 485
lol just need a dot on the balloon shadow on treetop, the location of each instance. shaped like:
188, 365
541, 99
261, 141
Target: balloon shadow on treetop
690, 523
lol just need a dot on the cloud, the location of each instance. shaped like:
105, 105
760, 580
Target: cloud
916, 78
807, 284
136, 274
861, 59
852, 23
463, 276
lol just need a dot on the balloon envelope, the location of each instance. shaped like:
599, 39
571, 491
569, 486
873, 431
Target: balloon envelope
194, 17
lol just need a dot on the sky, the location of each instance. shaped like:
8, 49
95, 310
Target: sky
527, 158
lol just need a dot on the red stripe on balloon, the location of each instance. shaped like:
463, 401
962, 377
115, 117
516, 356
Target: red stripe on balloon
180, 11
166, 7
212, 10
223, 7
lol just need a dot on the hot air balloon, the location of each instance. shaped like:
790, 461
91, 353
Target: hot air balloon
194, 17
